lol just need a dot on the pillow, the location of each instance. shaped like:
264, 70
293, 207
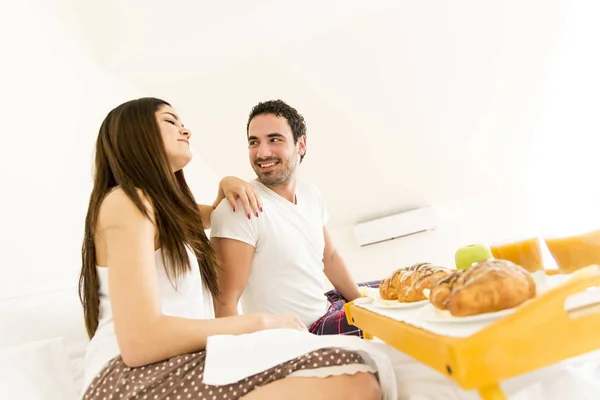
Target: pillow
42, 315
40, 311
37, 370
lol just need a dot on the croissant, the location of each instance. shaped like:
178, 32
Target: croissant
487, 286
387, 291
411, 281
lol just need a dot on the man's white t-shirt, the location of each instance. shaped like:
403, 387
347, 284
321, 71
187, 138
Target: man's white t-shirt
287, 269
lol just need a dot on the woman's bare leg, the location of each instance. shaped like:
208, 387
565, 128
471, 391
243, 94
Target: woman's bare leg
360, 386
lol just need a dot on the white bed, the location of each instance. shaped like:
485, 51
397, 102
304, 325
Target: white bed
43, 339
42, 343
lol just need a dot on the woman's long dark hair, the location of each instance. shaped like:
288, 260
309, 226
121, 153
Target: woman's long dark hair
130, 154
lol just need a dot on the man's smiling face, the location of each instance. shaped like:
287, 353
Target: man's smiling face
273, 154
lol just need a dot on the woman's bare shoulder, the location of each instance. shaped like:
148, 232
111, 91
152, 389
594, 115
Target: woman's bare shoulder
118, 209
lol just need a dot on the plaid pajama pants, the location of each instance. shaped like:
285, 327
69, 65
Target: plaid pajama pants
334, 321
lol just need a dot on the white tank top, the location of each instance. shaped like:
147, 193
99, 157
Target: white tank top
187, 299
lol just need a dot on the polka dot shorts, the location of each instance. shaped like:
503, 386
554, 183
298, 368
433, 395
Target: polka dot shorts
180, 378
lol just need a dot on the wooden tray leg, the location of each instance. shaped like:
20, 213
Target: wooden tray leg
491, 393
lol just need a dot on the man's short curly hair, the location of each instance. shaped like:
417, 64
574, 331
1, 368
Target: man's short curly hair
280, 109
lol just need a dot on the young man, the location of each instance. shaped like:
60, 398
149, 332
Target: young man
275, 263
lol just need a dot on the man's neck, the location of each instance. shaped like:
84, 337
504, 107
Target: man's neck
286, 190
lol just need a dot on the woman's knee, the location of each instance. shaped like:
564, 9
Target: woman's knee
359, 386
365, 386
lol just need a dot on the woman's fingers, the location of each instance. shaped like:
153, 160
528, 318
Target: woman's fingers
301, 326
231, 198
246, 205
249, 197
258, 199
253, 198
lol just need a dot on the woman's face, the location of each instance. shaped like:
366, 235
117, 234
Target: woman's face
175, 137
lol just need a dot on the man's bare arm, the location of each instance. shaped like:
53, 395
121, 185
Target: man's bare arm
235, 259
337, 272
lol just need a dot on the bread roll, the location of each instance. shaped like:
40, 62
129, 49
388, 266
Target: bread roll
387, 291
410, 282
487, 286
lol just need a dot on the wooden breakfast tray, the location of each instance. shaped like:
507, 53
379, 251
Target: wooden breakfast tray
538, 334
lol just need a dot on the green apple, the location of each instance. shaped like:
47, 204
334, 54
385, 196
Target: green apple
466, 256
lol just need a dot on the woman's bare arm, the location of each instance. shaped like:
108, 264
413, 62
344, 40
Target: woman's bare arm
232, 189
144, 334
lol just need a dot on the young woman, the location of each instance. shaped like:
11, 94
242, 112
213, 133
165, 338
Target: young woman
149, 276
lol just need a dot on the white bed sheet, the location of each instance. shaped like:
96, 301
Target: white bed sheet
577, 378
57, 313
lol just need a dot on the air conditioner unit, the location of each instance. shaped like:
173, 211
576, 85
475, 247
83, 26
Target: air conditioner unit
395, 226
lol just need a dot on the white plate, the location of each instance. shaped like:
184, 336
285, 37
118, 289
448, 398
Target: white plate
370, 292
379, 303
431, 314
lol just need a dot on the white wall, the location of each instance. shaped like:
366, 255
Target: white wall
411, 102
487, 218
563, 171
554, 192
53, 100
54, 97
519, 98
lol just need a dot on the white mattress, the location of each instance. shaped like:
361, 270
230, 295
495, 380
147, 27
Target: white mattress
57, 313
